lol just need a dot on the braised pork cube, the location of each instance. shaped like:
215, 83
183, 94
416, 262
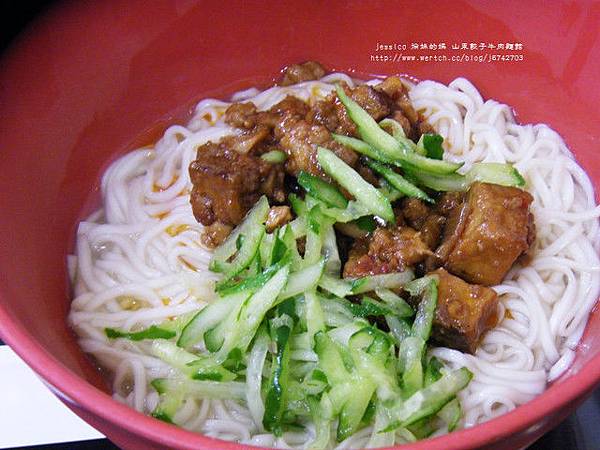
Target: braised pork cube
241, 115
402, 108
486, 236
299, 140
464, 312
386, 250
277, 217
296, 73
424, 219
332, 114
226, 184
214, 235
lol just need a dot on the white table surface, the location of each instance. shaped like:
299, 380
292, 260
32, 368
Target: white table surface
30, 414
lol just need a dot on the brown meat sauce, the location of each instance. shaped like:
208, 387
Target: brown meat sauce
469, 240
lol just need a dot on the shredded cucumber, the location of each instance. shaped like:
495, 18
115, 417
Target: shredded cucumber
350, 180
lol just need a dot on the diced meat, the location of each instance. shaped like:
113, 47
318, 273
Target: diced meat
448, 202
402, 109
399, 117
246, 141
421, 217
278, 216
415, 212
300, 140
464, 312
296, 73
213, 235
386, 250
487, 235
241, 115
431, 230
392, 87
371, 100
375, 103
226, 183
325, 112
290, 106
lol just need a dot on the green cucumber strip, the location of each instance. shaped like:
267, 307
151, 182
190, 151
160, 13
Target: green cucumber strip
355, 210
399, 305
368, 129
274, 157
390, 192
354, 409
315, 383
201, 389
322, 190
496, 173
256, 216
415, 162
379, 439
394, 125
432, 371
410, 358
451, 414
152, 332
312, 247
242, 328
350, 180
279, 249
213, 338
361, 147
315, 320
429, 400
208, 317
336, 286
321, 415
333, 264
254, 371
249, 284
417, 286
395, 149
298, 205
398, 327
244, 256
398, 181
168, 405
206, 369
173, 355
265, 251
337, 313
278, 384
423, 428
443, 183
388, 280
315, 218
289, 240
366, 223
302, 280
424, 318
369, 307
330, 359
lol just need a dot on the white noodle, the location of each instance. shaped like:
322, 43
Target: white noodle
144, 246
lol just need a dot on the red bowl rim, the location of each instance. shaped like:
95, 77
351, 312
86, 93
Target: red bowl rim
76, 391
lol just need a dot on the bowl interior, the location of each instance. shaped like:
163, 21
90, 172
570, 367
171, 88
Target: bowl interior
89, 82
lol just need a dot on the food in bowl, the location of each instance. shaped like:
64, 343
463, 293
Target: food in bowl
332, 262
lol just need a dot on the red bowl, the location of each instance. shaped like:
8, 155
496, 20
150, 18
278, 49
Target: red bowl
94, 79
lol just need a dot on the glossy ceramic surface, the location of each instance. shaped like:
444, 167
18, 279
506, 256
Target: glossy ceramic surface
92, 80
